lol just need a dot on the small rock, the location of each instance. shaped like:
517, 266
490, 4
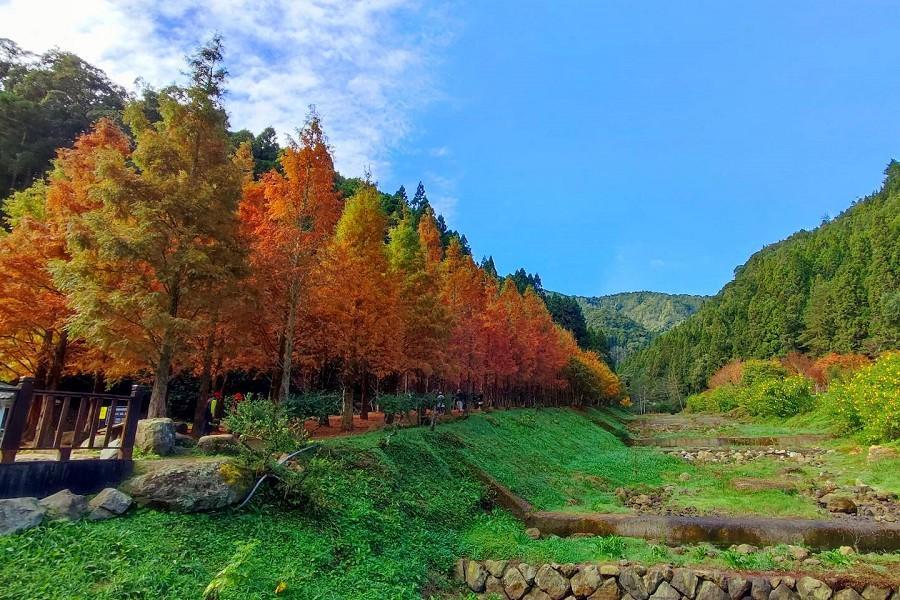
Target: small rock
738, 587
459, 571
107, 504
220, 443
813, 589
533, 532
156, 436
652, 580
710, 591
760, 588
112, 452
549, 580
586, 581
476, 576
745, 549
838, 504
19, 514
613, 571
847, 594
514, 583
685, 581
798, 552
567, 569
684, 477
846, 551
665, 592
633, 584
812, 562
528, 572
537, 594
876, 592
495, 567
783, 592
493, 585
608, 590
64, 506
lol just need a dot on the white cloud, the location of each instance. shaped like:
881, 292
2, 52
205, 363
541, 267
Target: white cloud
365, 64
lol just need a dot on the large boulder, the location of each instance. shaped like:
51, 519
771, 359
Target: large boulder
19, 514
190, 486
586, 581
665, 592
634, 584
113, 451
220, 443
65, 506
608, 590
710, 591
514, 583
813, 589
108, 504
838, 503
156, 436
476, 576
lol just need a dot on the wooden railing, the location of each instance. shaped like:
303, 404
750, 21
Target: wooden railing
71, 421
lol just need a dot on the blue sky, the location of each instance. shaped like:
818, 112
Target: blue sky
608, 146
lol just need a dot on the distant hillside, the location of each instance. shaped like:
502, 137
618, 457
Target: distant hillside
629, 321
833, 289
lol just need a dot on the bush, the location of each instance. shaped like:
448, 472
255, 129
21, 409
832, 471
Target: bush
868, 403
764, 391
313, 405
264, 428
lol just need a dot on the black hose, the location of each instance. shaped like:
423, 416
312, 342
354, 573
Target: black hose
280, 462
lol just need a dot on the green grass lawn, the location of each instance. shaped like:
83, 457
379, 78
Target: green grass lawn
385, 515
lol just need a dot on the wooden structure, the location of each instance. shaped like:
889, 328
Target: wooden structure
69, 421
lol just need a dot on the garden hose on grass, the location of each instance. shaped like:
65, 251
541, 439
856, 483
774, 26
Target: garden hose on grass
280, 462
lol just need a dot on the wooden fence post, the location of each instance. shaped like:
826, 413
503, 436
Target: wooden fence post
15, 423
139, 395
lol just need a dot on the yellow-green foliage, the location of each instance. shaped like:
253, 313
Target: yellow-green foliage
765, 390
869, 401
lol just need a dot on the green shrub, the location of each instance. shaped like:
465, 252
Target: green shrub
313, 405
753, 371
868, 403
264, 429
766, 392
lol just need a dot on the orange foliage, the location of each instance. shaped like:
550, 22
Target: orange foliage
730, 374
833, 365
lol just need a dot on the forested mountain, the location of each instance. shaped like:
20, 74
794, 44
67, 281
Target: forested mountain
630, 320
834, 288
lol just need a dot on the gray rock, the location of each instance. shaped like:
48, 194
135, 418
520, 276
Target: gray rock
760, 588
837, 503
113, 451
609, 570
190, 486
847, 594
783, 592
533, 532
108, 504
156, 436
549, 580
528, 572
798, 552
514, 583
459, 571
665, 592
537, 594
745, 549
476, 576
586, 581
813, 589
19, 514
685, 581
710, 591
608, 590
738, 587
495, 567
64, 506
876, 592
220, 443
567, 570
493, 585
633, 584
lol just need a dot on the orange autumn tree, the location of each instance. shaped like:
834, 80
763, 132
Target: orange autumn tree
289, 218
33, 310
424, 316
356, 298
164, 232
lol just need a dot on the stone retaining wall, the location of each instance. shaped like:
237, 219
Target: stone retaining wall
521, 581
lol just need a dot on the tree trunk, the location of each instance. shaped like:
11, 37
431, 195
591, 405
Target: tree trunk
205, 384
346, 407
161, 382
364, 404
58, 361
287, 357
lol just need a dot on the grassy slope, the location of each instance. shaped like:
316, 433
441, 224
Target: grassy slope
387, 510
